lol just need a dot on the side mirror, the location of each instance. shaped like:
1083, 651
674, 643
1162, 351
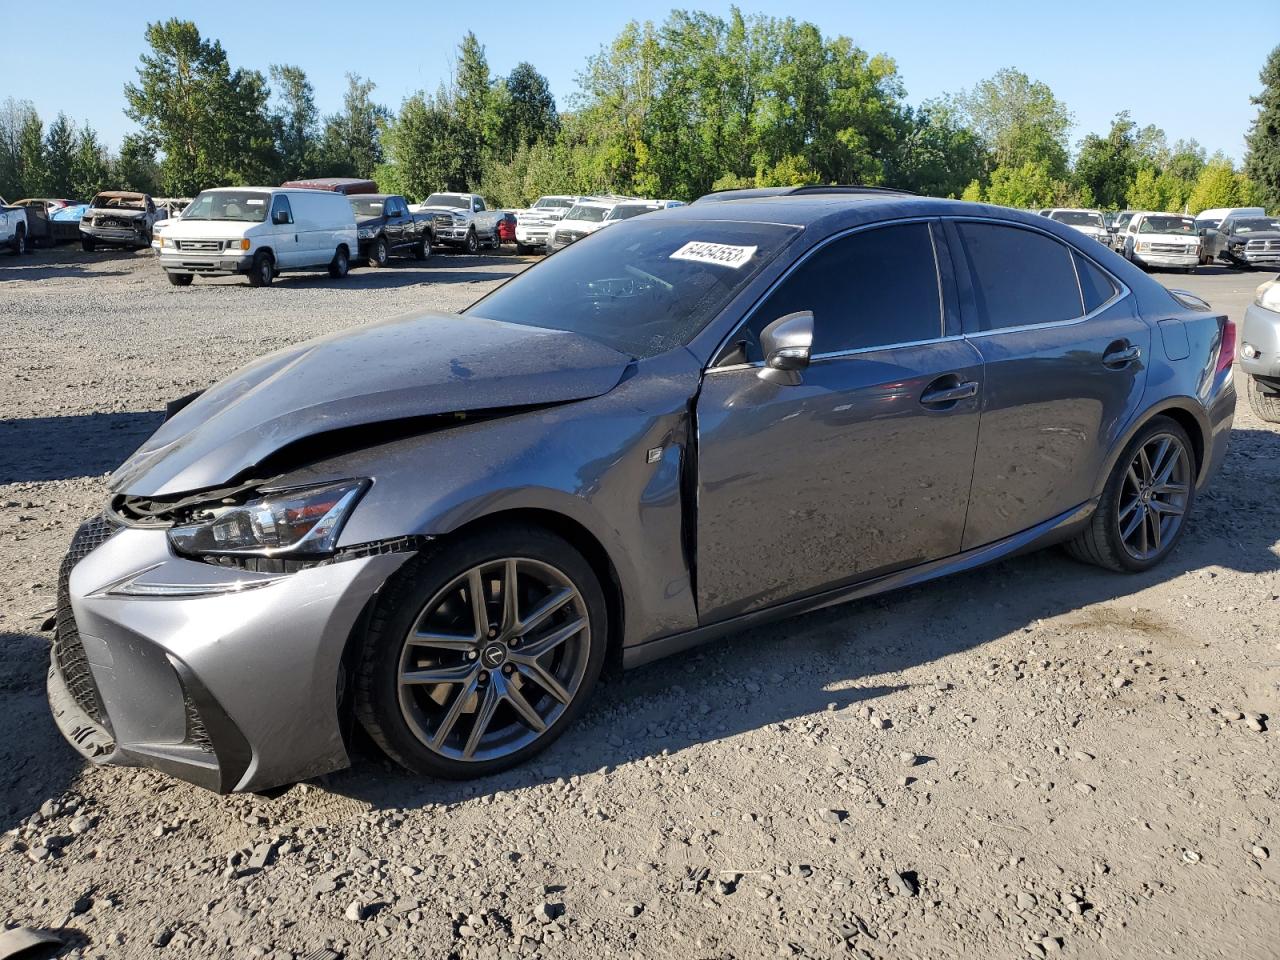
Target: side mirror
786, 343
280, 217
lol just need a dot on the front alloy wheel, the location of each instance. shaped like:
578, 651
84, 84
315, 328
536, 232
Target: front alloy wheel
473, 242
482, 655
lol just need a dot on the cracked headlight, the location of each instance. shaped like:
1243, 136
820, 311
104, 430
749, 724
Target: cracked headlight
303, 521
366, 233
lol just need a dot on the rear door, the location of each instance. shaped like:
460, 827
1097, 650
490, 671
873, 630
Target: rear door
1065, 356
859, 467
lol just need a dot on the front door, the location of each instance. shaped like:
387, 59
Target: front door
861, 466
1065, 356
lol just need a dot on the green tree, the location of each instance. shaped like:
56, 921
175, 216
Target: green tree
60, 145
352, 142
1219, 186
972, 192
1262, 162
295, 120
90, 166
936, 154
474, 106
421, 149
135, 168
1028, 186
13, 115
209, 122
33, 168
526, 110
1107, 165
1020, 118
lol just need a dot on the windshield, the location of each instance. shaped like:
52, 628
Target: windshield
625, 211
1122, 219
1182, 225
118, 203
552, 203
445, 200
366, 207
1077, 218
642, 288
589, 214
247, 205
1255, 225
1208, 224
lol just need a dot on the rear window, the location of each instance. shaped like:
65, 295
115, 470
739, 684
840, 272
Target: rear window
644, 286
1077, 218
1020, 277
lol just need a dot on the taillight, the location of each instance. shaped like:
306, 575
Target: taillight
1227, 351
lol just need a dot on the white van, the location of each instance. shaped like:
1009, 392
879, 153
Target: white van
259, 231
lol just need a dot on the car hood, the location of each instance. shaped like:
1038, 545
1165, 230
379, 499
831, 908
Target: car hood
369, 221
1256, 235
417, 366
181, 229
423, 208
1190, 239
113, 212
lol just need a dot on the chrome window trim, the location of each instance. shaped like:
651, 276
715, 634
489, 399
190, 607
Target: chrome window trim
782, 278
841, 354
1122, 289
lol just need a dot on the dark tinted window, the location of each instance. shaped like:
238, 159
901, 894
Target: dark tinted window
1019, 277
871, 289
1094, 284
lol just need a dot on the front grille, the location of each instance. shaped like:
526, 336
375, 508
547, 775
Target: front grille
68, 652
1173, 248
1260, 246
205, 245
569, 236
443, 220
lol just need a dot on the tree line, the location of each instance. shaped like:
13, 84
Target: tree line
696, 103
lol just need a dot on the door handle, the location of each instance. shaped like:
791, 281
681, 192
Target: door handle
947, 390
1121, 355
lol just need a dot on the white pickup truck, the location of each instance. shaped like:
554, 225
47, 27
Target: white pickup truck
534, 224
14, 229
461, 220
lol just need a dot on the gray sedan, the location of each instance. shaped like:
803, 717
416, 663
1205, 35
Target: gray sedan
695, 421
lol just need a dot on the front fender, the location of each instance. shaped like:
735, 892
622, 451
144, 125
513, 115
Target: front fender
587, 462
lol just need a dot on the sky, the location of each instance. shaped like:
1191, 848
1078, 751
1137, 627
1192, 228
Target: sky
1177, 64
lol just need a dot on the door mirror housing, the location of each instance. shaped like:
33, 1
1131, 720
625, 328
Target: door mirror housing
786, 344
280, 217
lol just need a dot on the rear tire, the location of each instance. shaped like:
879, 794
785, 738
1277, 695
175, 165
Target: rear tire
1102, 542
1264, 403
340, 264
180, 279
432, 594
262, 271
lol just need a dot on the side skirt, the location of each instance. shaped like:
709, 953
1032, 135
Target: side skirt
1051, 531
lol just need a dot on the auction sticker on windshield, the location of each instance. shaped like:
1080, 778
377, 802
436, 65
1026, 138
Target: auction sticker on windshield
724, 254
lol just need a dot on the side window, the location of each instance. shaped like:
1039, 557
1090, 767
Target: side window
875, 288
1020, 277
478, 205
281, 203
1095, 286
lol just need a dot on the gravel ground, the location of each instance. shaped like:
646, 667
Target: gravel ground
1036, 758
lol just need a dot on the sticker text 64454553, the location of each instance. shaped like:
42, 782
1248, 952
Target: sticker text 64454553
722, 254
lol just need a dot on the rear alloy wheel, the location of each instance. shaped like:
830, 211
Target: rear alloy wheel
378, 255
1144, 506
340, 264
1264, 401
262, 271
482, 655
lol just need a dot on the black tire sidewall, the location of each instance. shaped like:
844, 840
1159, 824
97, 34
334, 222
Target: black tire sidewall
379, 256
259, 277
473, 243
1115, 483
401, 605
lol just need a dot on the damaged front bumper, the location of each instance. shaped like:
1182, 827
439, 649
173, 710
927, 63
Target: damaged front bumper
221, 676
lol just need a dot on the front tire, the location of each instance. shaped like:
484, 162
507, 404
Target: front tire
88, 244
378, 255
454, 689
422, 249
340, 264
473, 242
1264, 403
180, 279
19, 242
1142, 513
262, 271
